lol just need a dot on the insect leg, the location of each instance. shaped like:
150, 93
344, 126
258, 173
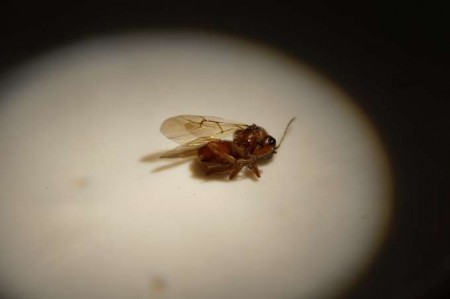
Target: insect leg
254, 169
236, 169
219, 169
217, 153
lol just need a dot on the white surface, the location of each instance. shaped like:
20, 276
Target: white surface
87, 212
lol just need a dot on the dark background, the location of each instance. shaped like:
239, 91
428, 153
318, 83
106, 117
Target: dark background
391, 56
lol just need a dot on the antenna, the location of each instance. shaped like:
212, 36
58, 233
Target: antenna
285, 131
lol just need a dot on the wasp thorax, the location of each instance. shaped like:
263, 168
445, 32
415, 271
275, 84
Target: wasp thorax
250, 137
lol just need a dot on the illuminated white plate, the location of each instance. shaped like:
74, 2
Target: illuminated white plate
86, 210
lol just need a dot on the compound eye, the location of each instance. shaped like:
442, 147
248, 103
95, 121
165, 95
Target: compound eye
270, 140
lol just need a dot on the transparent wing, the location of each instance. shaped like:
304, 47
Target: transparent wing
186, 128
188, 149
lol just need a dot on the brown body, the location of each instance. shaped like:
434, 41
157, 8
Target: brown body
202, 136
248, 147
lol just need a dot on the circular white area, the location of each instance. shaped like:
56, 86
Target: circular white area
87, 211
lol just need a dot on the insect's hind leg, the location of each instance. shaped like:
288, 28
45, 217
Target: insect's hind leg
236, 170
254, 169
218, 169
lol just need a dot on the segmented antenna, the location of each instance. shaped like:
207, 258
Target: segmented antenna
285, 131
